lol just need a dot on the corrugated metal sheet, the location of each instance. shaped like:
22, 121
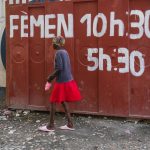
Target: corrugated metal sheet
108, 42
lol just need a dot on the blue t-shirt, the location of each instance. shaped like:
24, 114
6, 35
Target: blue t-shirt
62, 63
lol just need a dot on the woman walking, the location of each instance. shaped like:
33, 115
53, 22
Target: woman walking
65, 89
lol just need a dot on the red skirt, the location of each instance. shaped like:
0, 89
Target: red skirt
67, 91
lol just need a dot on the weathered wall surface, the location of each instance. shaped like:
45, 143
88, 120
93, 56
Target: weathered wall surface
2, 45
2, 50
109, 49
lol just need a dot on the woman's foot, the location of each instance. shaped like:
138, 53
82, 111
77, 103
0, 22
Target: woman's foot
50, 127
70, 125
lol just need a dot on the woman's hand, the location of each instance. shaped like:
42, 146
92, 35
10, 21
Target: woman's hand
47, 86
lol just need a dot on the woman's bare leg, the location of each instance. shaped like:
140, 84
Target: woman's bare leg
68, 115
52, 116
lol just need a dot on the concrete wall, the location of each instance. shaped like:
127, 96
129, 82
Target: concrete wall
2, 50
2, 45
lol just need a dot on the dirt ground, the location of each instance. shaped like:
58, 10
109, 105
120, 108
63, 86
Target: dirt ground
19, 131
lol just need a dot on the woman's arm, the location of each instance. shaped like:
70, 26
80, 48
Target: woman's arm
53, 75
58, 67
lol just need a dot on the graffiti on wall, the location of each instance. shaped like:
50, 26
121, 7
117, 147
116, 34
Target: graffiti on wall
42, 21
66, 27
3, 39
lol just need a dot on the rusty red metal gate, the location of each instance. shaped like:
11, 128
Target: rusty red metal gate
108, 42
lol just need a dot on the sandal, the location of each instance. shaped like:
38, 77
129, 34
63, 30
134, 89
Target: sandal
65, 127
44, 128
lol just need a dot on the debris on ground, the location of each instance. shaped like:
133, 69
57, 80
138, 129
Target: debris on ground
19, 131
